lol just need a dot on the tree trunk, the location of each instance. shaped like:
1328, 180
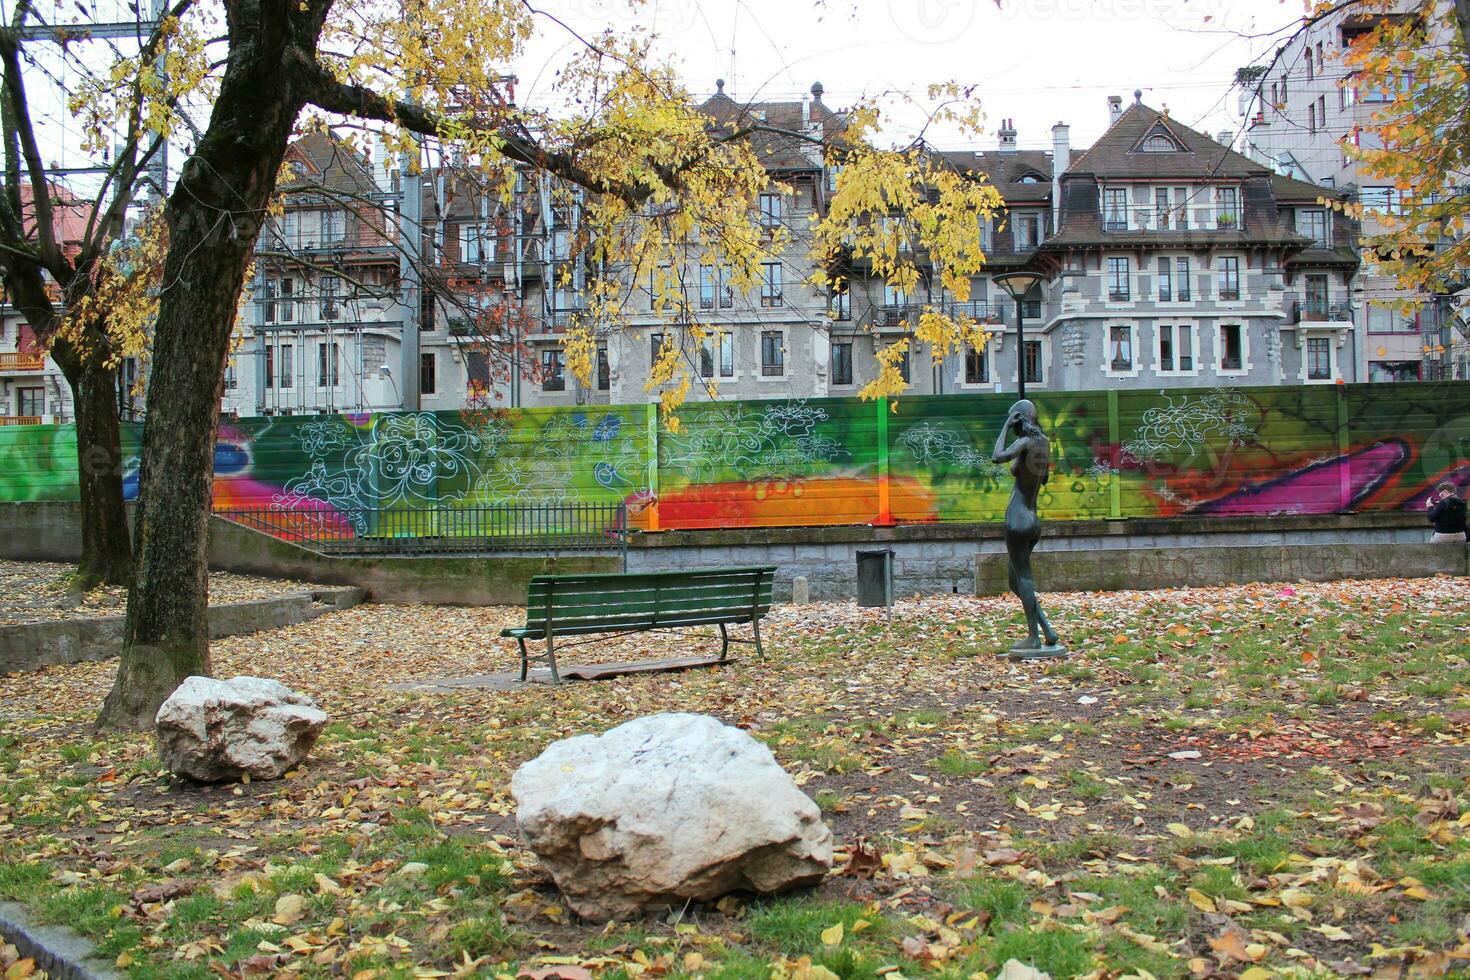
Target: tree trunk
214, 214
107, 554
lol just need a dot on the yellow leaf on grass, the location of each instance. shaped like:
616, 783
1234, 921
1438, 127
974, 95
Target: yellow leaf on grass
1200, 900
1295, 898
832, 936
290, 909
1179, 830
1418, 892
860, 925
1256, 973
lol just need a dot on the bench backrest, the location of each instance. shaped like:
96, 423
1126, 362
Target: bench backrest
647, 600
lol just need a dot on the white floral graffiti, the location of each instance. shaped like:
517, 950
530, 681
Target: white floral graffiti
1186, 423
930, 444
779, 442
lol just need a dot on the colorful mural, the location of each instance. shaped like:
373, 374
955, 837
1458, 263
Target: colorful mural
1118, 454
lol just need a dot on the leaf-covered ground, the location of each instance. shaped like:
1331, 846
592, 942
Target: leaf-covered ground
1251, 781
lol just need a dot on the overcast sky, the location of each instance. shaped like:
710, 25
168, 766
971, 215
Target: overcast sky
1036, 61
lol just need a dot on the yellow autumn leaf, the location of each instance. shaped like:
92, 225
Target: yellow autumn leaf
290, 909
832, 936
1256, 973
1179, 830
1200, 900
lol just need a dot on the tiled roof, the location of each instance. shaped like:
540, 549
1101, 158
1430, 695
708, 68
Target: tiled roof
1117, 153
778, 151
325, 161
1005, 168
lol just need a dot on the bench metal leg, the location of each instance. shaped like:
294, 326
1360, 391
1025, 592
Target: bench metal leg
759, 651
551, 659
525, 657
724, 642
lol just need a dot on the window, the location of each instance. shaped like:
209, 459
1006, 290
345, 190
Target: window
1158, 144
31, 401
329, 287
903, 366
1161, 207
1031, 309
1028, 229
842, 363
1118, 279
770, 210
270, 366
1166, 281
771, 284
655, 347
709, 284
1316, 290
1322, 111
553, 369
1312, 222
231, 381
1229, 277
1347, 96
477, 371
1319, 359
773, 354
1033, 362
1388, 200
727, 354
1310, 73
604, 370
841, 305
327, 355
894, 295
1225, 201
287, 306
832, 175
1320, 50
1232, 354
1393, 370
1120, 347
977, 367
426, 374
1181, 266
476, 243
1115, 209
287, 374
271, 289
1175, 348
1311, 118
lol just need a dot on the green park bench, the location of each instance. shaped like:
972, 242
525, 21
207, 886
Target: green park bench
575, 605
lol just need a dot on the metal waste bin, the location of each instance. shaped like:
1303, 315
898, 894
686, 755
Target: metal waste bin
875, 578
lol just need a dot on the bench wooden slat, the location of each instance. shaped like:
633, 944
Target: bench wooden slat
574, 605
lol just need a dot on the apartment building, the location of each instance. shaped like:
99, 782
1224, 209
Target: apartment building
1300, 117
1170, 259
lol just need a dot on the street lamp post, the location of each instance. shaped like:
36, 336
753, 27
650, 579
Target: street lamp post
1018, 284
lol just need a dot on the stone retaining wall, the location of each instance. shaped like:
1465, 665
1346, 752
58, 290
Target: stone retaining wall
29, 646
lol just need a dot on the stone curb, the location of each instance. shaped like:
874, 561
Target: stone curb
29, 646
58, 950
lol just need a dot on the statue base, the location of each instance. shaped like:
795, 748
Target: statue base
1035, 653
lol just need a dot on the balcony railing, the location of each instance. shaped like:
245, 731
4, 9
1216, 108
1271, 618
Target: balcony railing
22, 362
1151, 217
904, 314
1320, 310
20, 420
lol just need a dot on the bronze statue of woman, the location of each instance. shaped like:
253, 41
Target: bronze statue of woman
1030, 459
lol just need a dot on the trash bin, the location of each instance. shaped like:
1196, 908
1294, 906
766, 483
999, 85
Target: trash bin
875, 578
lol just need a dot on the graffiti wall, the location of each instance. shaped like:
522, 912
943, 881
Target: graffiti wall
1117, 454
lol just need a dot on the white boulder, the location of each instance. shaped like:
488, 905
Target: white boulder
215, 731
663, 809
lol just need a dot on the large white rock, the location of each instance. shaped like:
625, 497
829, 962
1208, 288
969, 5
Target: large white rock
663, 809
213, 730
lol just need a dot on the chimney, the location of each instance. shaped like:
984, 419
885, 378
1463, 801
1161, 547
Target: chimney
1007, 134
1061, 159
1225, 138
806, 112
1115, 108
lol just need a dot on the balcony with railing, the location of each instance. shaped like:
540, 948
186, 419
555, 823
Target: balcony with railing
20, 420
1151, 217
903, 316
22, 362
1321, 309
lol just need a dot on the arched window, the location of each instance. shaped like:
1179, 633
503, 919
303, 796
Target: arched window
1028, 179
1159, 144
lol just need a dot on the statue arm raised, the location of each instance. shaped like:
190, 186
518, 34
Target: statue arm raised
1004, 453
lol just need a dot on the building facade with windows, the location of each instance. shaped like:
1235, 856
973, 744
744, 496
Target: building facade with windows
1301, 117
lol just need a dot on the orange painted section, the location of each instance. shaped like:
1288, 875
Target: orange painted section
831, 500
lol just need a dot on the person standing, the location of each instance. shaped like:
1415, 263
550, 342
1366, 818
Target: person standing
1447, 511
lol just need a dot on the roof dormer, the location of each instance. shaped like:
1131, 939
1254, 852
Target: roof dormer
1159, 138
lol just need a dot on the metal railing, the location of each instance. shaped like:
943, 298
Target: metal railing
1317, 310
541, 529
20, 420
1151, 217
22, 362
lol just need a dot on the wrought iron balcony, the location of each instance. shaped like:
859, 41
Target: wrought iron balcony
23, 362
1151, 217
